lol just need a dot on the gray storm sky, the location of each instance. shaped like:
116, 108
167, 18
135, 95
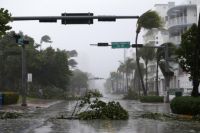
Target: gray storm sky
96, 60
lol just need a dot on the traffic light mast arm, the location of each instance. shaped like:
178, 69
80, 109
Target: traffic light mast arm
101, 44
100, 17
142, 46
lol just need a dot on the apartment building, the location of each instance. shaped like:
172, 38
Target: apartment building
177, 19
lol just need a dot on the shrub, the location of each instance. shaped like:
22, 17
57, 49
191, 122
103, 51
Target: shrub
152, 99
10, 98
186, 105
131, 95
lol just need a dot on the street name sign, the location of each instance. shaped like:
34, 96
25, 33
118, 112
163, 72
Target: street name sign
120, 45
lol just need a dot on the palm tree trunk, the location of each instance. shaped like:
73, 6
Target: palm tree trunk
132, 80
126, 82
157, 90
146, 77
121, 82
195, 90
138, 66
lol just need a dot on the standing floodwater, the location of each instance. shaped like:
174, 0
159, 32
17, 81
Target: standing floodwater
41, 121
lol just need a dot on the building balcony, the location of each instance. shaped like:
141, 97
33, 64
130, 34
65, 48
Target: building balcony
180, 10
177, 21
181, 16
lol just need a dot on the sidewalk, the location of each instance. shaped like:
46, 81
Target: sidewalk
33, 104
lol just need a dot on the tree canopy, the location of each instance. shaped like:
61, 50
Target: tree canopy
49, 67
189, 55
5, 17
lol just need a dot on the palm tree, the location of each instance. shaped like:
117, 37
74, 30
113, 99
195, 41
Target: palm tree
148, 20
45, 39
160, 55
114, 79
122, 69
137, 83
147, 55
130, 66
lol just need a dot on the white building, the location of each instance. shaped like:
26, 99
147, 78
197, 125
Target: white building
180, 18
177, 19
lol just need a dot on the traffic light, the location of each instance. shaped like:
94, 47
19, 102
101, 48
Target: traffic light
77, 20
17, 37
137, 45
20, 40
102, 44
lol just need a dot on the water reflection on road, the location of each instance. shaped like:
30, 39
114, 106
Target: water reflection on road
41, 121
133, 125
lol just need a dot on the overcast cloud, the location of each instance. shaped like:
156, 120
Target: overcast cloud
95, 60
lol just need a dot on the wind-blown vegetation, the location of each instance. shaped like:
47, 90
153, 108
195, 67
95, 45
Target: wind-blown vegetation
98, 109
5, 17
50, 67
148, 20
188, 56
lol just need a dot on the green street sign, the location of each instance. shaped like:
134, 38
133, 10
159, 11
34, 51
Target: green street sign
120, 44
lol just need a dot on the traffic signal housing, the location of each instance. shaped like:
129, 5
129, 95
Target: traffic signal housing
20, 40
77, 20
102, 44
137, 45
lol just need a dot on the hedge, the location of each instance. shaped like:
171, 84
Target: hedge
152, 99
131, 95
186, 105
10, 98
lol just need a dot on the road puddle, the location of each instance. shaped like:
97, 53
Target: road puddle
44, 129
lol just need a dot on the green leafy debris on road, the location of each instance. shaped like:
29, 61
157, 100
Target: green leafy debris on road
10, 115
101, 110
90, 107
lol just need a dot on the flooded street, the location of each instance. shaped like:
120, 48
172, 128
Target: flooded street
43, 121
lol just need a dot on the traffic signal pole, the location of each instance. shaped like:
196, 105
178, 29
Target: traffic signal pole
24, 77
66, 18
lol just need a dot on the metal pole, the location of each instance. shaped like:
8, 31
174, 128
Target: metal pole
20, 18
24, 77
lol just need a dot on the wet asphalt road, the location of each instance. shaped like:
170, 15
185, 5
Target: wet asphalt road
42, 121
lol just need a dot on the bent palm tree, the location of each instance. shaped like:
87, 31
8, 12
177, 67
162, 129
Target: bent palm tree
148, 20
160, 53
147, 55
45, 39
